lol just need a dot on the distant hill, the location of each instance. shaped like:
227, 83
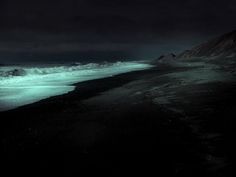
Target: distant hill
168, 56
221, 46
165, 58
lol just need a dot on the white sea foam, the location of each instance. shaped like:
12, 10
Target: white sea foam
24, 85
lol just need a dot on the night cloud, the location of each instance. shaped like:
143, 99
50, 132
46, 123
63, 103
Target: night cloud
98, 24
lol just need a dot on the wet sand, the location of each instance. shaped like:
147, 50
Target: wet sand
162, 121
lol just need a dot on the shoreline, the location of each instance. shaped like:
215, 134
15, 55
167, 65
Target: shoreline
86, 84
17, 96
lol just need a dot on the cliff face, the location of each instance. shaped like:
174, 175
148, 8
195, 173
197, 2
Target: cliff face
221, 46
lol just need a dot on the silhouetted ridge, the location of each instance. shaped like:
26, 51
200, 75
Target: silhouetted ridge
221, 46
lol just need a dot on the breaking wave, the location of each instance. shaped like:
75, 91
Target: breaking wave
22, 71
24, 85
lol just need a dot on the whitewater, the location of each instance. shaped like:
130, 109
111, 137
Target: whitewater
22, 85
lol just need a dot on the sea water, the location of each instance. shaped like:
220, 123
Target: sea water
21, 85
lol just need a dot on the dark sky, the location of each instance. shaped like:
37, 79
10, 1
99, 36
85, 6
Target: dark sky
113, 28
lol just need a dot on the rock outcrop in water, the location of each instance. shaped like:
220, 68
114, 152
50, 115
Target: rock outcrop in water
223, 46
14, 72
18, 72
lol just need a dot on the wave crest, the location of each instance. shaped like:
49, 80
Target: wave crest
11, 72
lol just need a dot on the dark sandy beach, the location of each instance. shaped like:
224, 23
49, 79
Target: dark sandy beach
165, 121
